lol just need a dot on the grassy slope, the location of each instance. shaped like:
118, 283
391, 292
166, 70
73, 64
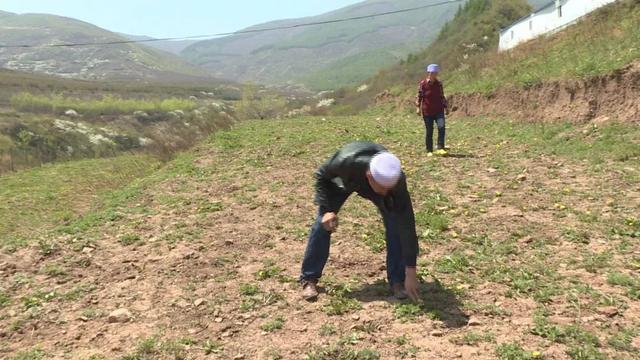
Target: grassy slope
530, 229
349, 70
477, 23
603, 42
38, 200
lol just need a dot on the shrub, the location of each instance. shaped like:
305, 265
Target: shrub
107, 105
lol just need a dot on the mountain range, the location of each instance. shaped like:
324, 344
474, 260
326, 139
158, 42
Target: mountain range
318, 57
324, 56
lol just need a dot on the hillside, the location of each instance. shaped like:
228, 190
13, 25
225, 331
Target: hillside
471, 33
602, 43
586, 59
324, 56
124, 61
528, 234
47, 119
528, 230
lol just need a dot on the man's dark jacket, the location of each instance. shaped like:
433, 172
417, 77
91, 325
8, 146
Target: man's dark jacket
345, 173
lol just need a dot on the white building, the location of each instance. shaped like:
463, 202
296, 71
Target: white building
551, 17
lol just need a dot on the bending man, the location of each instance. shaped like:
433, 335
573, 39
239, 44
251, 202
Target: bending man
373, 173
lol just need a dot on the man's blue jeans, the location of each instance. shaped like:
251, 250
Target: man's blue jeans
440, 122
317, 253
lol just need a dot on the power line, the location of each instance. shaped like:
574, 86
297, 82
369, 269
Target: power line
248, 31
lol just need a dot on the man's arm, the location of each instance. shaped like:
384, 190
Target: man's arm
325, 189
325, 193
419, 99
445, 102
403, 210
408, 237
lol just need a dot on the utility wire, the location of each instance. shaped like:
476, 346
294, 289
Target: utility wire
248, 31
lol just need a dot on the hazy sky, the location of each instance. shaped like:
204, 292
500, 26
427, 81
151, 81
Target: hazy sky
173, 18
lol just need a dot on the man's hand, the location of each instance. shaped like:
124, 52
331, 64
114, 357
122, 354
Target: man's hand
411, 284
446, 111
418, 111
330, 221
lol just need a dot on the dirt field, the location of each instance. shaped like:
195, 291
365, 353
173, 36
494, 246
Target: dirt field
529, 250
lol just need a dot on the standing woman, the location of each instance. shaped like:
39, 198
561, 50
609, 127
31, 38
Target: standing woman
431, 104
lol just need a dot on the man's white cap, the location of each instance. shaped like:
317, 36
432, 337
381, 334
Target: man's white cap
385, 169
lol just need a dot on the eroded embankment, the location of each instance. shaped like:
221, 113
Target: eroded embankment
613, 96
